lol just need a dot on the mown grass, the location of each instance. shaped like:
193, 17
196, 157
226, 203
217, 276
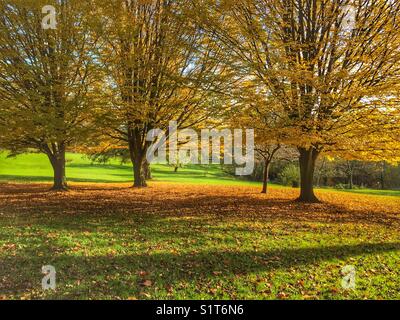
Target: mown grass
188, 242
395, 193
36, 168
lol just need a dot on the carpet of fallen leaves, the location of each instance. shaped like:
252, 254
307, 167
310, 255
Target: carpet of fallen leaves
174, 241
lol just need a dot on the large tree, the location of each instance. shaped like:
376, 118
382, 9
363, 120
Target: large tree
46, 79
158, 72
332, 65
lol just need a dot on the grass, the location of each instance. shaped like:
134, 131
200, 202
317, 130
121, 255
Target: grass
173, 241
36, 168
395, 193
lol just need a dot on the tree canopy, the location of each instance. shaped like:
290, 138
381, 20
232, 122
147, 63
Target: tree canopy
318, 75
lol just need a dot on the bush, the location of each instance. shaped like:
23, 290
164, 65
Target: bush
345, 186
290, 176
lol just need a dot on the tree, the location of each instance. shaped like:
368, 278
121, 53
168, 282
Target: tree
333, 66
267, 153
252, 110
158, 72
46, 79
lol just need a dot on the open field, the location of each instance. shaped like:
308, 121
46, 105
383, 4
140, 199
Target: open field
37, 168
185, 241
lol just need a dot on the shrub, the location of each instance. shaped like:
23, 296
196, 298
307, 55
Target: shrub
290, 176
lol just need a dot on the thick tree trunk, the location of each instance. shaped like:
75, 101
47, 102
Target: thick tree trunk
58, 164
307, 162
137, 159
265, 177
138, 172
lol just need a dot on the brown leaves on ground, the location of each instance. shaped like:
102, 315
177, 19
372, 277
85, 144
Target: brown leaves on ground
206, 200
147, 283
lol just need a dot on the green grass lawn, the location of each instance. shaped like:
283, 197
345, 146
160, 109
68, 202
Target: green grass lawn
196, 242
36, 168
395, 193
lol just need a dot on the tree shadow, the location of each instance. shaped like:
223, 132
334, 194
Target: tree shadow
179, 267
27, 179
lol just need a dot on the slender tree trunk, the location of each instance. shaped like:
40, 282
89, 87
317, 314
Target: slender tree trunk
265, 177
147, 170
383, 169
351, 180
319, 173
350, 173
177, 164
307, 162
58, 163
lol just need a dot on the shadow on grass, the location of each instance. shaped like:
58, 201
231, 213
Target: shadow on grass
100, 166
160, 175
14, 178
167, 268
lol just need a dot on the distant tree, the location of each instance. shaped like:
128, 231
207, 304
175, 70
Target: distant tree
254, 109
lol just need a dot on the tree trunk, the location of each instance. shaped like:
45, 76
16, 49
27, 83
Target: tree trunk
138, 174
319, 173
382, 178
351, 180
350, 173
137, 159
147, 170
58, 164
177, 165
265, 177
307, 162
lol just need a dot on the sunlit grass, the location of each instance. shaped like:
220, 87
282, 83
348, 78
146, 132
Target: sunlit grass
36, 168
196, 242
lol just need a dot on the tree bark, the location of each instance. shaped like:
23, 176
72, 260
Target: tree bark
382, 178
307, 160
137, 158
138, 174
147, 170
58, 163
351, 181
319, 172
350, 172
265, 177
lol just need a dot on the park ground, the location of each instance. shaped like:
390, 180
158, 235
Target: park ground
196, 235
